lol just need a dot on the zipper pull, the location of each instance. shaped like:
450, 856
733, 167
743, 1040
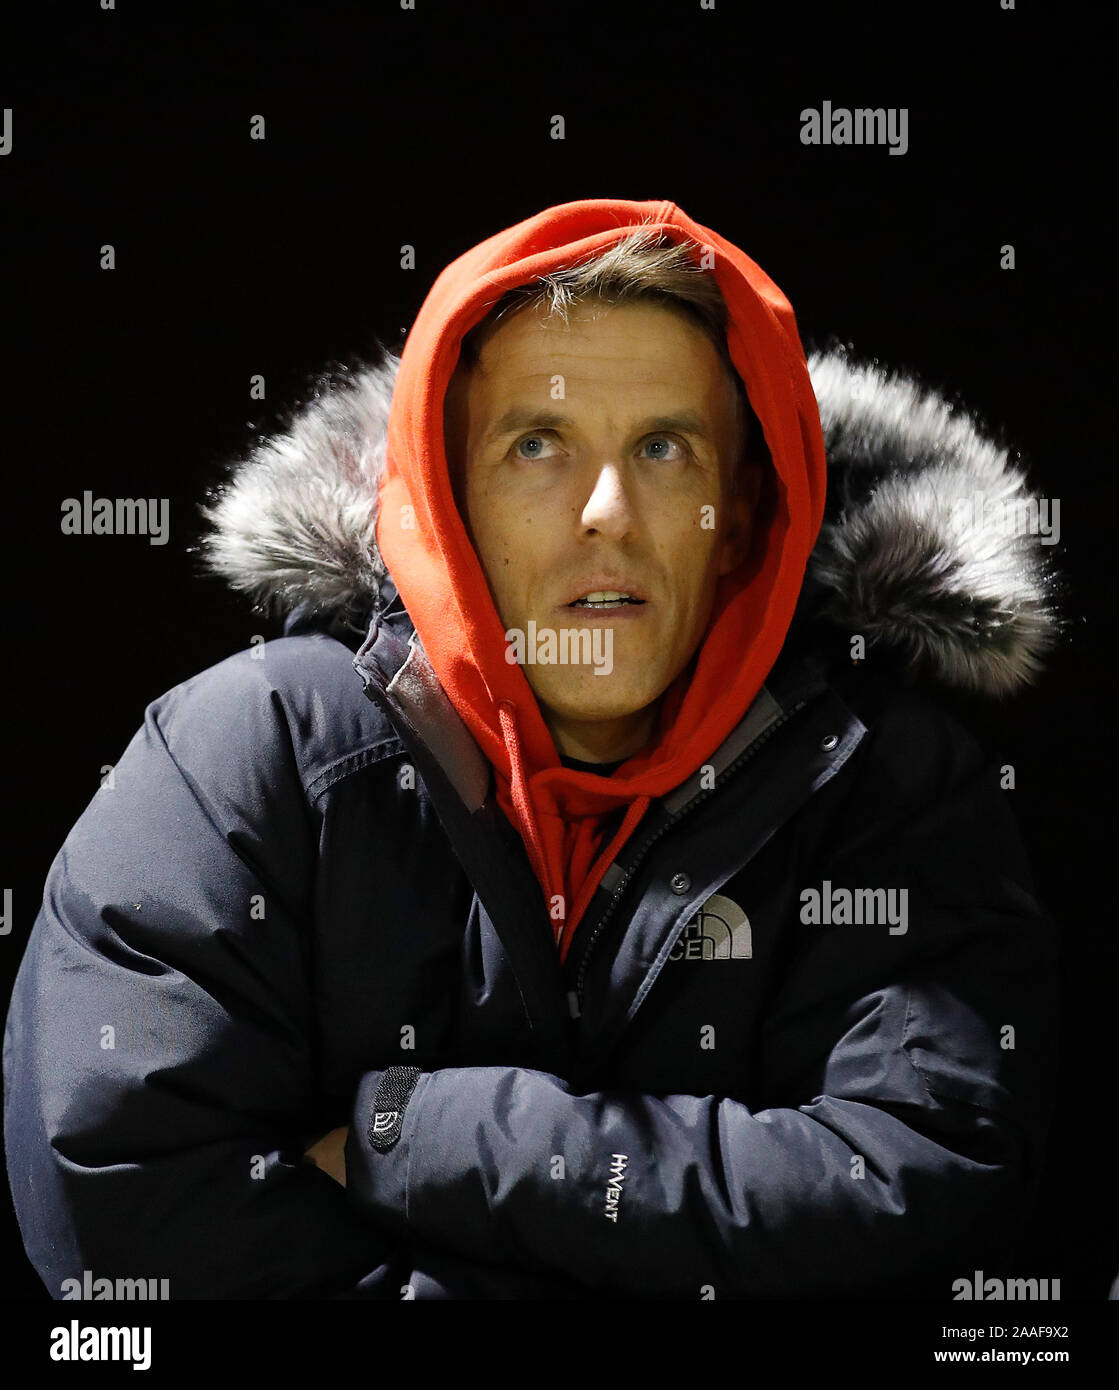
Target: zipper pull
573, 1003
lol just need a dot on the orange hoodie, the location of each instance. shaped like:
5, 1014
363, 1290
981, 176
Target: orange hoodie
558, 811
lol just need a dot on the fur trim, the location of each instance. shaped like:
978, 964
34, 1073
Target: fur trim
294, 523
934, 560
909, 555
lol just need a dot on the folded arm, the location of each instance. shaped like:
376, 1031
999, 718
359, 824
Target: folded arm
160, 1087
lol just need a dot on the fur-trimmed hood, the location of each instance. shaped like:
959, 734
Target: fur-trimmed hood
929, 546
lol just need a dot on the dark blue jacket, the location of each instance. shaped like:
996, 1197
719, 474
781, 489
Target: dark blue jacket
298, 894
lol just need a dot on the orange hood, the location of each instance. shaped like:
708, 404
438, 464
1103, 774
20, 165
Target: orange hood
559, 811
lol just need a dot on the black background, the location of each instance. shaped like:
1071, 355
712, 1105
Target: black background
432, 128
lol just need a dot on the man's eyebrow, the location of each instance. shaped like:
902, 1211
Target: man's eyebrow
525, 418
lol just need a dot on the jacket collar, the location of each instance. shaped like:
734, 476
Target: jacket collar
396, 675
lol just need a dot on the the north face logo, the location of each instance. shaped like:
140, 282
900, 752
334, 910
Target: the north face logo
720, 930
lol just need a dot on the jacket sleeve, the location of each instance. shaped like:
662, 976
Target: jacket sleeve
158, 1055
905, 1080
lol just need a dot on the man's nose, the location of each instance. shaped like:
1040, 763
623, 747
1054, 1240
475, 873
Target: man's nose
608, 509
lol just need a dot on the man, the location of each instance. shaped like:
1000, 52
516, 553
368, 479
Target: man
647, 931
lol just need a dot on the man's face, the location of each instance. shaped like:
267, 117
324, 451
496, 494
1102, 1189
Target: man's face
597, 456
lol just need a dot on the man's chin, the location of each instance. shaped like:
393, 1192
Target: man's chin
592, 707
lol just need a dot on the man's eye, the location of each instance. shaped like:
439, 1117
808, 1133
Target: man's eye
662, 444
532, 446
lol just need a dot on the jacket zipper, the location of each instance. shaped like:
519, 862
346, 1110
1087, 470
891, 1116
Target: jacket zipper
650, 840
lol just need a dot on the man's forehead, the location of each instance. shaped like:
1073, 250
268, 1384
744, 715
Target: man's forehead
640, 339
659, 360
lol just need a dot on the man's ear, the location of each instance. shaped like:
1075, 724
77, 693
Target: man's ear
743, 506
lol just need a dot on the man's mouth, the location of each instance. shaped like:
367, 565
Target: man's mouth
605, 598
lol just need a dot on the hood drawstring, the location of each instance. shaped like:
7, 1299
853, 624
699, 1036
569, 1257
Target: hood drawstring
579, 840
637, 809
518, 789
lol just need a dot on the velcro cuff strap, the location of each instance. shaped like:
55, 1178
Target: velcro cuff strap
393, 1095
